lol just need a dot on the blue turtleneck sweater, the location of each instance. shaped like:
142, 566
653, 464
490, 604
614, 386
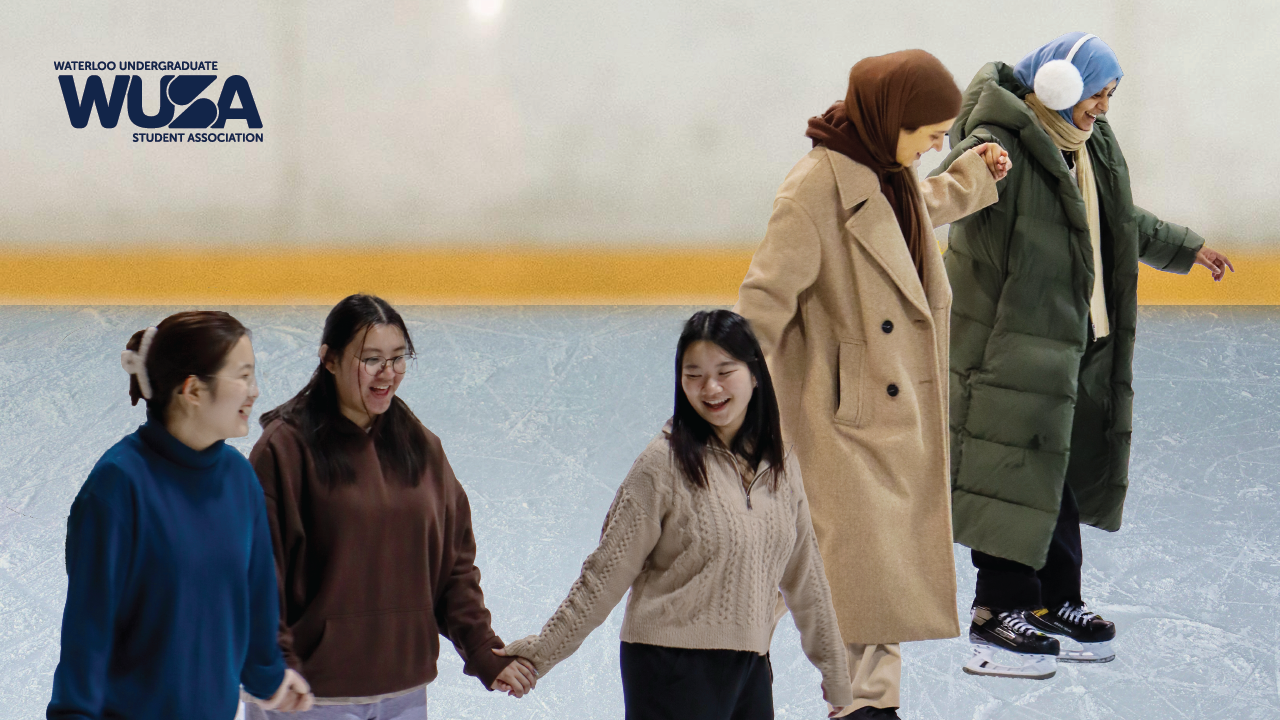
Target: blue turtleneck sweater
172, 601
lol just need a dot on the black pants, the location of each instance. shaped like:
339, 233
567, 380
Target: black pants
663, 683
1007, 585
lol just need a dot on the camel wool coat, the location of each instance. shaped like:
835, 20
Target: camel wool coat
857, 347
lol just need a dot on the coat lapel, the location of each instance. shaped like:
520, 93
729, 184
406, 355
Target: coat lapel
876, 228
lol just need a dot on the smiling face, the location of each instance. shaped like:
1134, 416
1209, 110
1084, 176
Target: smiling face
220, 409
718, 386
1086, 112
912, 144
363, 395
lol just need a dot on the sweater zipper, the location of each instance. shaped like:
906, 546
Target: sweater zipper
751, 484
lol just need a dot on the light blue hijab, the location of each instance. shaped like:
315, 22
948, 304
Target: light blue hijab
1095, 60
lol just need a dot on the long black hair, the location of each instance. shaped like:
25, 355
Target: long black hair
760, 437
399, 436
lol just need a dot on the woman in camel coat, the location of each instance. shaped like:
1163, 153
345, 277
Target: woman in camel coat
849, 299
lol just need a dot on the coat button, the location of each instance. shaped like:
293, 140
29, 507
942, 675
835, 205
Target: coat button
893, 391
887, 326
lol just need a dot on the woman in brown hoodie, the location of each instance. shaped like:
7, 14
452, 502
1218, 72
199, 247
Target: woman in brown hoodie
372, 533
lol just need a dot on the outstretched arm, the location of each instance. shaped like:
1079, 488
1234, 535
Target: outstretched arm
1173, 248
968, 183
631, 531
1166, 246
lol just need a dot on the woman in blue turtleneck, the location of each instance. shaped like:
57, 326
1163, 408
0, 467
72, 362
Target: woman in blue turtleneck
171, 601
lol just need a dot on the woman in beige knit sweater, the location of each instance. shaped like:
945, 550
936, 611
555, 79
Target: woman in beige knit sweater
709, 525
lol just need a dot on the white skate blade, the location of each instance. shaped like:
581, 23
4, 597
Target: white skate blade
1077, 652
998, 662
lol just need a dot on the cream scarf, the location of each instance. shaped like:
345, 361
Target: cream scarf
1068, 137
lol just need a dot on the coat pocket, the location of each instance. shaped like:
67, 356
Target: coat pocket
849, 382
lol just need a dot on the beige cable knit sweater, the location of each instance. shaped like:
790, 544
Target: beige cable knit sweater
704, 567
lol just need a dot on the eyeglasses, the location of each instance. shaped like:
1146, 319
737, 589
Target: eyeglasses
374, 365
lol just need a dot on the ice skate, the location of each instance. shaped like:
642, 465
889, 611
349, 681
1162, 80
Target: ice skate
1005, 645
1087, 637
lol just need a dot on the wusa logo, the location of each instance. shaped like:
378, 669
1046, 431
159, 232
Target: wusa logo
181, 104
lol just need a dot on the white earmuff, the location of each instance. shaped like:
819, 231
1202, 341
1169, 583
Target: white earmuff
1058, 83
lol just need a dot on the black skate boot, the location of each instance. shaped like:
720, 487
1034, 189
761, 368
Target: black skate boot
1005, 645
1089, 635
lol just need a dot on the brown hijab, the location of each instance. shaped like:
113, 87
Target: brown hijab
906, 89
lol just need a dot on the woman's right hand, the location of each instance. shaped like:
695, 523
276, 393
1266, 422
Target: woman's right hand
293, 695
516, 679
997, 159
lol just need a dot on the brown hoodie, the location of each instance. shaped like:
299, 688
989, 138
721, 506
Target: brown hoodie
373, 572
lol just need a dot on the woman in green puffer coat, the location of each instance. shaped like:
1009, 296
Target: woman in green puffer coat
1042, 334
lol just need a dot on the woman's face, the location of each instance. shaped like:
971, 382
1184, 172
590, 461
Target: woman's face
225, 414
365, 374
718, 386
913, 144
1087, 110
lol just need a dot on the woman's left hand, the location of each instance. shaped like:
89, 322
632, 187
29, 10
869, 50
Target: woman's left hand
1215, 261
997, 159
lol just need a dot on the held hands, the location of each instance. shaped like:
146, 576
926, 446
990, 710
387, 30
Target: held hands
1215, 261
294, 695
997, 159
516, 679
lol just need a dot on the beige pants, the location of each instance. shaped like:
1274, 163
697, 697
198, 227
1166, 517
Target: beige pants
876, 673
875, 670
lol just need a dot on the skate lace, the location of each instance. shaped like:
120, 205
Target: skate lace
1015, 623
1076, 615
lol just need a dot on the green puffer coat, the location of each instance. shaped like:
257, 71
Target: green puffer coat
1034, 401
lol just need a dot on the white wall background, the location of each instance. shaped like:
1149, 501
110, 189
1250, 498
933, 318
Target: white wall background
665, 121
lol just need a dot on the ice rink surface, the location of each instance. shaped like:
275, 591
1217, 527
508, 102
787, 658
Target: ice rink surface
543, 410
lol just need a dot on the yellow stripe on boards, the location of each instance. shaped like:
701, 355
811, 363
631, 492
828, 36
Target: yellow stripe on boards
496, 276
